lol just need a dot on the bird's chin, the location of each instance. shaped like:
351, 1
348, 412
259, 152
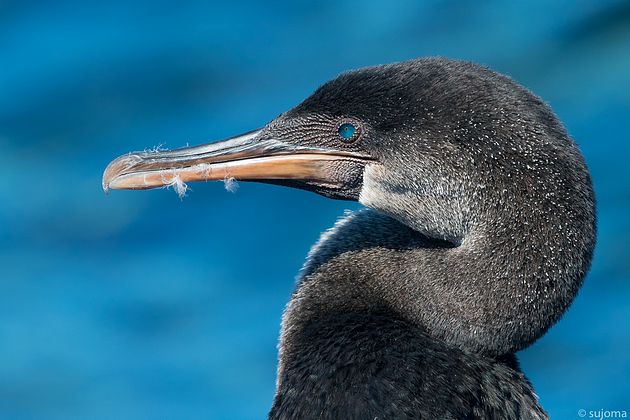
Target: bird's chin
345, 181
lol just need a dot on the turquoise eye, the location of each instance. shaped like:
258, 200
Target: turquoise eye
347, 131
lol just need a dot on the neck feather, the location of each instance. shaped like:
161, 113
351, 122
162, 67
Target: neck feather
489, 294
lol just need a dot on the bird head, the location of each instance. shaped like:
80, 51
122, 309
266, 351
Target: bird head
434, 143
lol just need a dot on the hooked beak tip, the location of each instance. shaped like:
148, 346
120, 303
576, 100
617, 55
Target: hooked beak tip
116, 168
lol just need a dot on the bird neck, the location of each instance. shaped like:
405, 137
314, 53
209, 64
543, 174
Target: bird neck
489, 294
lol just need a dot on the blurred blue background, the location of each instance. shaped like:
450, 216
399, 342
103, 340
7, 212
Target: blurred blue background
139, 305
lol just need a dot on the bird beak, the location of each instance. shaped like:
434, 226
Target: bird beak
246, 157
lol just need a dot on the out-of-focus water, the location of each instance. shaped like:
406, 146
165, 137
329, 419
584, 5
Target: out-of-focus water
139, 305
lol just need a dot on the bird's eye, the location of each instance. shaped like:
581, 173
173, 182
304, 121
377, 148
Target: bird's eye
348, 132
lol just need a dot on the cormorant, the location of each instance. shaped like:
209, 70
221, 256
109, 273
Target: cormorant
478, 232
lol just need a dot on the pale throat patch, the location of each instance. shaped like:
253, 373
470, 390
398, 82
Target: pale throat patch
435, 215
371, 194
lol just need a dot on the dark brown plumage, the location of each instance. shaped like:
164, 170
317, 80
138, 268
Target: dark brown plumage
479, 231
